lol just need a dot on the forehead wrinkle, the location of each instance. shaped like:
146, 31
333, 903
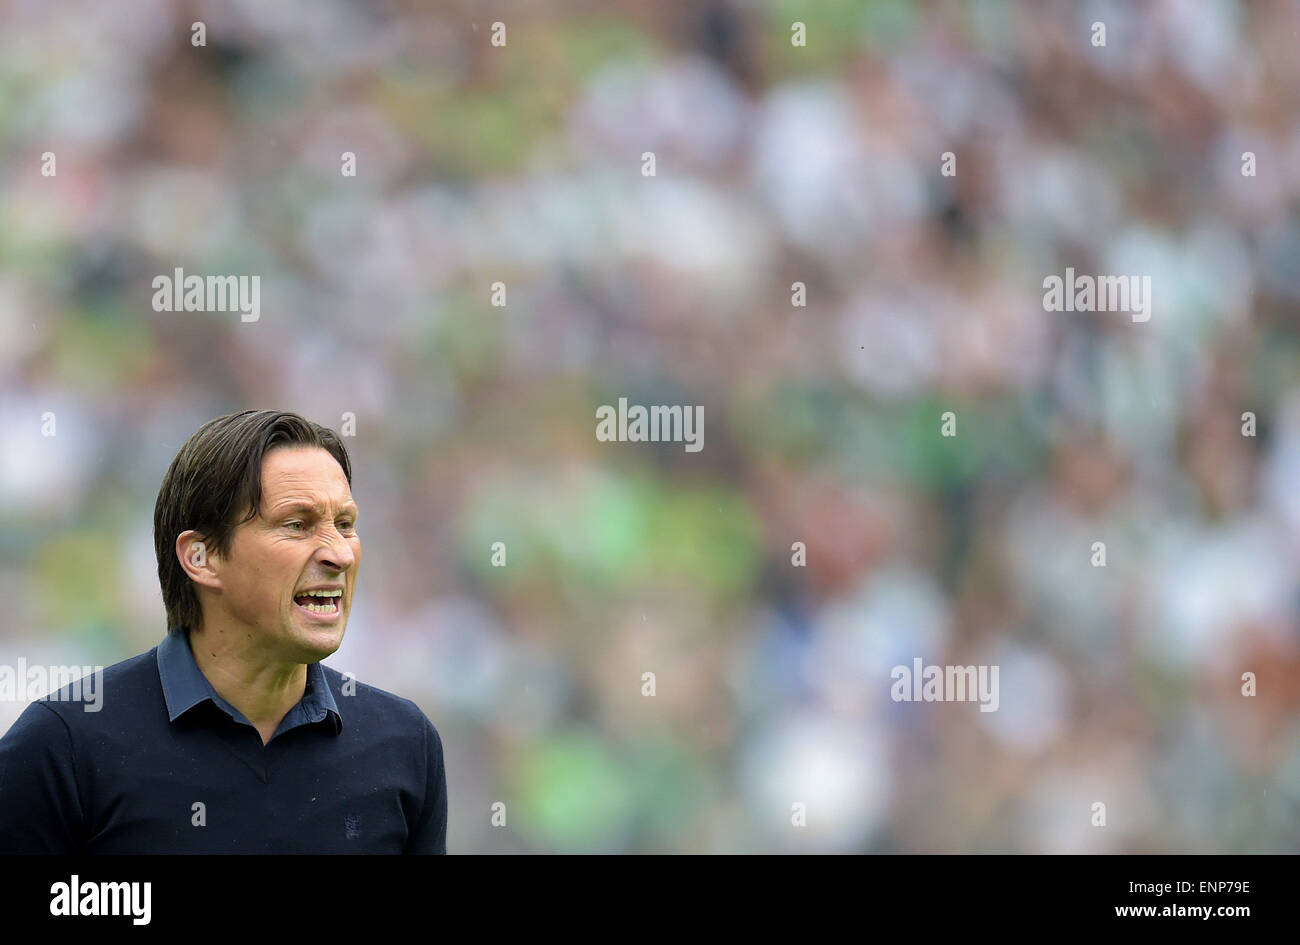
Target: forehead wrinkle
288, 479
308, 493
311, 505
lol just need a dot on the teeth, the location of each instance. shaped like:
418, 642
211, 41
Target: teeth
330, 601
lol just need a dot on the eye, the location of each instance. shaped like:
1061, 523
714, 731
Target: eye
292, 524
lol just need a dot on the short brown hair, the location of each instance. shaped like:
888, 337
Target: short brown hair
216, 475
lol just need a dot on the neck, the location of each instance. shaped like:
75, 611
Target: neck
263, 688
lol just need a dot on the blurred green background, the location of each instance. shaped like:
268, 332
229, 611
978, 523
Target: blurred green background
775, 164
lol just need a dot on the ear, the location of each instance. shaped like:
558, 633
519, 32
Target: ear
198, 559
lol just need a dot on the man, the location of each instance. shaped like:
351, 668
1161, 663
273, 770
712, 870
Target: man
230, 736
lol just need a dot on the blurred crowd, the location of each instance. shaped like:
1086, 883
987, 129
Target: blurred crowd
775, 164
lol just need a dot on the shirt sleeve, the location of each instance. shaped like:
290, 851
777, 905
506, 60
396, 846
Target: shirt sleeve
430, 832
40, 809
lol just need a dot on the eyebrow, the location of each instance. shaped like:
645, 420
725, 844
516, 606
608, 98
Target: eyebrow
314, 509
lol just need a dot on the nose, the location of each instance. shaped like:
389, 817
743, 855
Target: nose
337, 553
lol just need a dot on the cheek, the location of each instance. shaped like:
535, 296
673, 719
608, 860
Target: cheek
268, 578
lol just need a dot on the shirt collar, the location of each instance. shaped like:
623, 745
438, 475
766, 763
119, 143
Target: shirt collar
185, 686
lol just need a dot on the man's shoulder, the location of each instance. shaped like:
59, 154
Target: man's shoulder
376, 705
93, 688
85, 697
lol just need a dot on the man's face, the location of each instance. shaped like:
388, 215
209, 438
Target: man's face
304, 538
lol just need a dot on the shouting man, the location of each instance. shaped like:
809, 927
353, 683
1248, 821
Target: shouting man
230, 736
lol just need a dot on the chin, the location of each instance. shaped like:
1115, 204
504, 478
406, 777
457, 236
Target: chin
319, 642
327, 641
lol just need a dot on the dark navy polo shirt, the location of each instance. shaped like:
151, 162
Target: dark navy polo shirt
165, 765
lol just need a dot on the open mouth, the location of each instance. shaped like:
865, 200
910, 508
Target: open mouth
321, 603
